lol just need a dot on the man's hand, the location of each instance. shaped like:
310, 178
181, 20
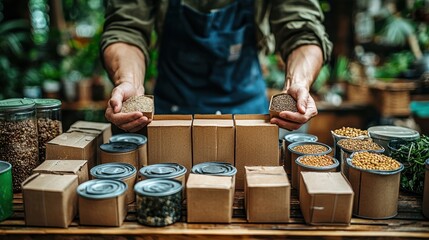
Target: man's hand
126, 67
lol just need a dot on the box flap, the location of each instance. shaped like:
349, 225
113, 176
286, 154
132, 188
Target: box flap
171, 120
50, 182
326, 183
208, 181
213, 122
72, 139
212, 116
261, 176
90, 125
60, 166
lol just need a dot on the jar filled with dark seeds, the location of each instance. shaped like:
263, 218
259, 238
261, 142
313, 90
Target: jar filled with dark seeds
159, 201
18, 138
48, 112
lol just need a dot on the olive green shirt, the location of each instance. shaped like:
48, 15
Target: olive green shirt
282, 25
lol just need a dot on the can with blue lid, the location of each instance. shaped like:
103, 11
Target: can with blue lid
117, 171
164, 170
140, 140
383, 134
292, 138
125, 152
426, 191
102, 202
159, 201
215, 169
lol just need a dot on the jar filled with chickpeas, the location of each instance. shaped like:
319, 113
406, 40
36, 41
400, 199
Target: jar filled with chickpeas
375, 179
315, 163
346, 132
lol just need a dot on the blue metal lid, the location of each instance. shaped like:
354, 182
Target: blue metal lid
138, 139
163, 170
300, 137
388, 132
119, 147
157, 187
113, 171
101, 188
214, 168
16, 104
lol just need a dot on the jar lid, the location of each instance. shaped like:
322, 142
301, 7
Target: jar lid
4, 166
16, 104
118, 147
163, 170
47, 103
157, 187
300, 137
291, 146
101, 188
113, 171
214, 168
138, 139
393, 132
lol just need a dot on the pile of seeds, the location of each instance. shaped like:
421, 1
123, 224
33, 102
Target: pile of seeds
350, 132
283, 102
310, 148
354, 144
48, 129
317, 161
19, 147
374, 161
159, 211
138, 103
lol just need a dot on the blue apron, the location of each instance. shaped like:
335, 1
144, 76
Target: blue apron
208, 63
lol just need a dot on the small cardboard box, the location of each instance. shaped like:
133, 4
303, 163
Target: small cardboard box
103, 129
267, 194
213, 139
170, 140
72, 146
256, 143
50, 200
325, 198
65, 167
209, 198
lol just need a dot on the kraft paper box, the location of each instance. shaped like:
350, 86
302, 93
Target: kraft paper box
213, 139
170, 140
325, 198
65, 167
73, 146
103, 129
50, 200
267, 194
209, 198
256, 143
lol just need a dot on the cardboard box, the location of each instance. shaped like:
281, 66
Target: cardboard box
170, 140
65, 167
104, 129
213, 139
325, 198
256, 143
267, 194
73, 146
50, 200
209, 198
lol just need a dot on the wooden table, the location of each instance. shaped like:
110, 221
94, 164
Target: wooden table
409, 223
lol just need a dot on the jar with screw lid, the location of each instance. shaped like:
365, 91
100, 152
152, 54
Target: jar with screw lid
18, 138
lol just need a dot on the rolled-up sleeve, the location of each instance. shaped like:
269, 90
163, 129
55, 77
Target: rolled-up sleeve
129, 22
298, 22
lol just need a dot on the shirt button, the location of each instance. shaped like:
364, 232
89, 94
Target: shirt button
218, 112
174, 108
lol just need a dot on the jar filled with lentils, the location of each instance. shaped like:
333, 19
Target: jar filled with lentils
48, 113
18, 138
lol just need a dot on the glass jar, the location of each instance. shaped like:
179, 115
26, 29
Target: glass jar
48, 113
18, 138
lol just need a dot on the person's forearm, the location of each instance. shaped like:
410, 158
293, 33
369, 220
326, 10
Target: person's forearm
303, 66
125, 64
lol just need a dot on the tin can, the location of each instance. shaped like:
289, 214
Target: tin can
293, 138
49, 126
118, 171
306, 168
159, 201
125, 152
102, 202
376, 191
164, 170
426, 191
325, 149
140, 140
18, 138
384, 134
6, 196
